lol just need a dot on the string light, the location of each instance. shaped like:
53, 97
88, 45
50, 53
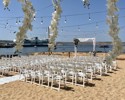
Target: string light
14, 32
65, 20
19, 21
16, 21
7, 23
97, 25
62, 30
34, 18
89, 17
7, 8
41, 20
78, 28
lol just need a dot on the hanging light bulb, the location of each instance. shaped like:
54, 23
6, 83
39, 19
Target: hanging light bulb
16, 21
19, 21
65, 20
41, 20
7, 23
34, 18
14, 32
62, 30
97, 25
8, 9
78, 28
89, 17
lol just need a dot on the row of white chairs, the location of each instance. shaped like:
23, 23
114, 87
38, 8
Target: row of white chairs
56, 69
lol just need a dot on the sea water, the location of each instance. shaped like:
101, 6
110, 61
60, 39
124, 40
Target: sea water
69, 47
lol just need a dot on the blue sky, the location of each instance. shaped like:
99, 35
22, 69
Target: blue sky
76, 16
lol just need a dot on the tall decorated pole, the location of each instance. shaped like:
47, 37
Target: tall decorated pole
112, 21
54, 24
29, 14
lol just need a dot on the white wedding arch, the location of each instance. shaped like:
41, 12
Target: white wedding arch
85, 40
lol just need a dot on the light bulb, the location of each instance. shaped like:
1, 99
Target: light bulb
89, 17
16, 21
78, 28
62, 30
7, 23
14, 32
65, 20
97, 25
34, 17
41, 21
19, 22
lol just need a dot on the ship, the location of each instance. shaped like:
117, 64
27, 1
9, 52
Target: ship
6, 44
104, 46
35, 42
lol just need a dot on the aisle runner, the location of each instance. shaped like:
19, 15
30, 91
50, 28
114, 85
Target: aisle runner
10, 79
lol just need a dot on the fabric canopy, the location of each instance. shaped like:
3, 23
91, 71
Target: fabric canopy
88, 39
85, 40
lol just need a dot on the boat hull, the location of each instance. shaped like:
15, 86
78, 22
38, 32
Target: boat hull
35, 45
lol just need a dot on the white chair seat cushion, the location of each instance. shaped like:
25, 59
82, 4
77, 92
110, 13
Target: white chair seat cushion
81, 74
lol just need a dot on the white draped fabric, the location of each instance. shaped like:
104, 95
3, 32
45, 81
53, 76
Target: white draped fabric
88, 39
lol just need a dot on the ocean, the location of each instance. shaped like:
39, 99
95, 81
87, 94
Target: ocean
65, 47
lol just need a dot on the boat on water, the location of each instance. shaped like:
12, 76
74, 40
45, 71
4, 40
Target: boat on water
7, 45
35, 42
104, 46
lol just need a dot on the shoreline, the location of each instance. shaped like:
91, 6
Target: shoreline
68, 54
102, 54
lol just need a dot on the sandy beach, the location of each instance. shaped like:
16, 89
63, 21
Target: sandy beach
106, 87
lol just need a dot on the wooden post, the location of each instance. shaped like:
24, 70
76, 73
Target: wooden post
48, 40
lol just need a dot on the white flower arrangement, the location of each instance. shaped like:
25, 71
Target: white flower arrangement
29, 14
112, 21
54, 23
6, 2
86, 3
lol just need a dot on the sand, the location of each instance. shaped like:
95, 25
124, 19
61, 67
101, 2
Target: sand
107, 87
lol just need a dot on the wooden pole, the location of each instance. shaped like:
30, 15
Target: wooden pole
48, 40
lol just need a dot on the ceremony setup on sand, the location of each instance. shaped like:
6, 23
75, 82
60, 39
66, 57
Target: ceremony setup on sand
67, 73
